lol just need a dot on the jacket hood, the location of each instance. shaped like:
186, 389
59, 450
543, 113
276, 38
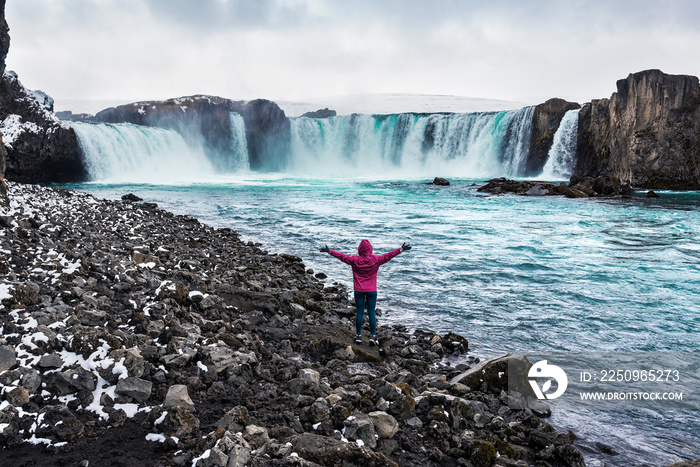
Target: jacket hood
365, 248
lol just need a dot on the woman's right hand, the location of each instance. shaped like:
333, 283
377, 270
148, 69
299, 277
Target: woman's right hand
325, 249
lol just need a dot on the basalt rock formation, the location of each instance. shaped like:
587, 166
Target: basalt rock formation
647, 134
545, 122
205, 120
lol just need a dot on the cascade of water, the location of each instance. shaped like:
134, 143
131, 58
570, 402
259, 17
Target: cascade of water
562, 155
238, 159
125, 152
475, 144
461, 145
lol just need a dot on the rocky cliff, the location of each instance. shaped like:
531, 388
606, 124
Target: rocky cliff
39, 148
4, 47
35, 147
206, 120
545, 122
647, 133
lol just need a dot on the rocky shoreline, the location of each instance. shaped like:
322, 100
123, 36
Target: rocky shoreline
132, 336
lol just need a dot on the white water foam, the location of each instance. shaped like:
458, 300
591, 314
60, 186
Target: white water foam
467, 145
562, 155
125, 152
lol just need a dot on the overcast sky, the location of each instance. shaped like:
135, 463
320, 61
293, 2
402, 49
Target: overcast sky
525, 51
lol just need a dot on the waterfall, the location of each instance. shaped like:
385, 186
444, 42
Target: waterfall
474, 145
562, 155
131, 153
468, 145
238, 158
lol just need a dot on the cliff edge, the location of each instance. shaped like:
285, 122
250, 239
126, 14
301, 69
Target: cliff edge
35, 147
647, 133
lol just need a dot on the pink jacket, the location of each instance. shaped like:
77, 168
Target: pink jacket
365, 265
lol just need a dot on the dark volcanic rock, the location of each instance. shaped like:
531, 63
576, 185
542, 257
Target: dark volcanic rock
199, 119
439, 181
545, 122
320, 113
186, 332
268, 135
647, 134
207, 119
38, 148
578, 187
68, 115
35, 147
131, 197
4, 47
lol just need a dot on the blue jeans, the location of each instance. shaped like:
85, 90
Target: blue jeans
370, 299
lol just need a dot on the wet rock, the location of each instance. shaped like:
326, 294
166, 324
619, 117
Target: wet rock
439, 181
131, 197
136, 388
492, 375
652, 194
178, 396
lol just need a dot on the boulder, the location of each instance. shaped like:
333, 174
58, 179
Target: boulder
235, 419
8, 357
439, 181
179, 422
385, 425
492, 375
60, 424
178, 396
131, 197
312, 376
136, 388
360, 429
329, 451
257, 436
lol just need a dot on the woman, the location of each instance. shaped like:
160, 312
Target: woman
364, 277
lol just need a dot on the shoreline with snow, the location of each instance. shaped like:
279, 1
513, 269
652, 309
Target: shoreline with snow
181, 344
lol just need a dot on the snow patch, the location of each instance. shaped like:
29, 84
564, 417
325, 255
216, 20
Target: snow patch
12, 128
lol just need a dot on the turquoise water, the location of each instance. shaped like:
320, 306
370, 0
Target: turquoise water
512, 274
